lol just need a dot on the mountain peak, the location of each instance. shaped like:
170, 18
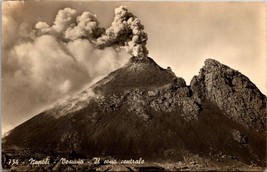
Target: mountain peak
211, 62
137, 73
145, 63
141, 60
233, 92
211, 65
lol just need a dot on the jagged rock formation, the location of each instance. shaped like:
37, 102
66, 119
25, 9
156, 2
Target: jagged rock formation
233, 92
142, 110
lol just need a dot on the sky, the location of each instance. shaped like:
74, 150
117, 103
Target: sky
38, 71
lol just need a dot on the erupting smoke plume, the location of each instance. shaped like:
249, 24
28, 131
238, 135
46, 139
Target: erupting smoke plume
126, 30
50, 62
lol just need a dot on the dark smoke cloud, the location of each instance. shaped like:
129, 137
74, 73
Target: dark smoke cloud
126, 31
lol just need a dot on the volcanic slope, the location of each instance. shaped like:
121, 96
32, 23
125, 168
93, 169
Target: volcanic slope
143, 110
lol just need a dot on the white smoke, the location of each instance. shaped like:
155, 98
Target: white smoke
64, 19
87, 27
47, 63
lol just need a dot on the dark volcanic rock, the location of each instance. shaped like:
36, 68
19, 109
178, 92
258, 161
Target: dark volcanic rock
136, 73
233, 92
143, 110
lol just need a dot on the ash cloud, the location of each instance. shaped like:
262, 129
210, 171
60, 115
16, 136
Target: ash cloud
126, 30
44, 63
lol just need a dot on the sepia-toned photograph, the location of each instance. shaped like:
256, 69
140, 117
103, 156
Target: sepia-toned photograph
133, 86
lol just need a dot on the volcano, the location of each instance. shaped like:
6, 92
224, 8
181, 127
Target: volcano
143, 110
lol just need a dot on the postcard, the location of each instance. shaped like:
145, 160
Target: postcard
133, 86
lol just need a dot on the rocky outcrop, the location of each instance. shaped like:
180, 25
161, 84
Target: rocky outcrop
168, 98
233, 92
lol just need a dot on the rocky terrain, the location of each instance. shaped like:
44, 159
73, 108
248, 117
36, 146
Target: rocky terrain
233, 92
143, 110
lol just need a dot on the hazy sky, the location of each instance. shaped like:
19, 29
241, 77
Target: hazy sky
37, 72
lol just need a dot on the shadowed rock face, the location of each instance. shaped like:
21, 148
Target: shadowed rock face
233, 92
142, 110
